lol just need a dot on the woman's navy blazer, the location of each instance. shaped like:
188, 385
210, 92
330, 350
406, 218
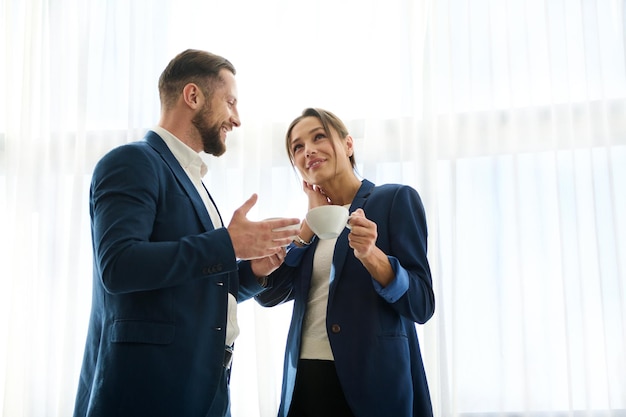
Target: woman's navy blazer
371, 329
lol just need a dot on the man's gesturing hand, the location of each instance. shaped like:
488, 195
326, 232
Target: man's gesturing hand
253, 240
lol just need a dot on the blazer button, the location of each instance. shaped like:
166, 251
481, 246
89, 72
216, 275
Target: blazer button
335, 328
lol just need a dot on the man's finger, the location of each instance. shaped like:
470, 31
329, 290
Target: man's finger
245, 207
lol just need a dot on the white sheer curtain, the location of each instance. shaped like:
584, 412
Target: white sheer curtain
508, 116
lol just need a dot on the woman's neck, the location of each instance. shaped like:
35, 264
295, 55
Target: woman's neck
342, 192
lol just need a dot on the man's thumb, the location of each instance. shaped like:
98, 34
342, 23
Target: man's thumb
245, 208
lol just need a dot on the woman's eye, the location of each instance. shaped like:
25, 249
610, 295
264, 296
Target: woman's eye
296, 148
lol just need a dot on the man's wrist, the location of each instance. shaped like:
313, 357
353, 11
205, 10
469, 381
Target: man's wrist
262, 281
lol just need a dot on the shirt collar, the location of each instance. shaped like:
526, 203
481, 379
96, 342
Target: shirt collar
189, 159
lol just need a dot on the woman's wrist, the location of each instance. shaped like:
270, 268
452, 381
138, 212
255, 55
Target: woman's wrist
301, 242
305, 237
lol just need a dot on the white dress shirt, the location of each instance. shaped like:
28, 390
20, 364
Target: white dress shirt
196, 169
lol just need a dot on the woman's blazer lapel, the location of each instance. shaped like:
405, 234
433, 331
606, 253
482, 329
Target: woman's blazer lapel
341, 247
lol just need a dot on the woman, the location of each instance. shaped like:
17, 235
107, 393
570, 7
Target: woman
352, 348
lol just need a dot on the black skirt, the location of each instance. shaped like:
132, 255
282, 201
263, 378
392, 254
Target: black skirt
317, 392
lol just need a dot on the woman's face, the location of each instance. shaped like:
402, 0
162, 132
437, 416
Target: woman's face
313, 152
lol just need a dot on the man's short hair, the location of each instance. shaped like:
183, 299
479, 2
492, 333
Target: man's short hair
191, 66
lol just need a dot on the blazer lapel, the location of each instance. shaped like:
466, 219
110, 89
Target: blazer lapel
161, 147
341, 247
214, 205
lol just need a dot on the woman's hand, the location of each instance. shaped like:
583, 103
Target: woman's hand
362, 239
363, 234
315, 194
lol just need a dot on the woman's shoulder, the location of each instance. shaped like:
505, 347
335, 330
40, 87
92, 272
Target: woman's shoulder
393, 189
397, 196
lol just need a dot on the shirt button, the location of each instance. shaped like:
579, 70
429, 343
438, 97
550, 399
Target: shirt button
335, 328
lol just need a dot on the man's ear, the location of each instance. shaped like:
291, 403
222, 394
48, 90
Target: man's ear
192, 96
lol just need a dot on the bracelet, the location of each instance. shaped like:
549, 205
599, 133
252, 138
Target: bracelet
302, 241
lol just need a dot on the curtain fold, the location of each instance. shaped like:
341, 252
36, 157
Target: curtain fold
508, 117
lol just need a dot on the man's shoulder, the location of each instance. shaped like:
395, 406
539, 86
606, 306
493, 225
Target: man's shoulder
143, 146
138, 153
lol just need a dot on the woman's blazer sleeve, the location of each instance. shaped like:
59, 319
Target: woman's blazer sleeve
403, 237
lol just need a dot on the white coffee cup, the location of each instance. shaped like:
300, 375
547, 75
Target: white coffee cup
293, 227
327, 222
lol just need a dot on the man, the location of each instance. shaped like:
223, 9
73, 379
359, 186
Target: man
167, 275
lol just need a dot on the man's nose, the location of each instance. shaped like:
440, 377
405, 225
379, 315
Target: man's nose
234, 119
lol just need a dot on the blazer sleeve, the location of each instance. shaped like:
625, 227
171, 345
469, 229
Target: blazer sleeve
248, 283
280, 287
411, 293
146, 233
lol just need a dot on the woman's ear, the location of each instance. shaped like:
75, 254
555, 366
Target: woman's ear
349, 146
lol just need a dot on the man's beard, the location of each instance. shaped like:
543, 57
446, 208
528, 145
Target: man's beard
211, 135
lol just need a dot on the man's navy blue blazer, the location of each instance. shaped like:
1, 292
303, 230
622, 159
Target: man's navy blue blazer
161, 278
371, 329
